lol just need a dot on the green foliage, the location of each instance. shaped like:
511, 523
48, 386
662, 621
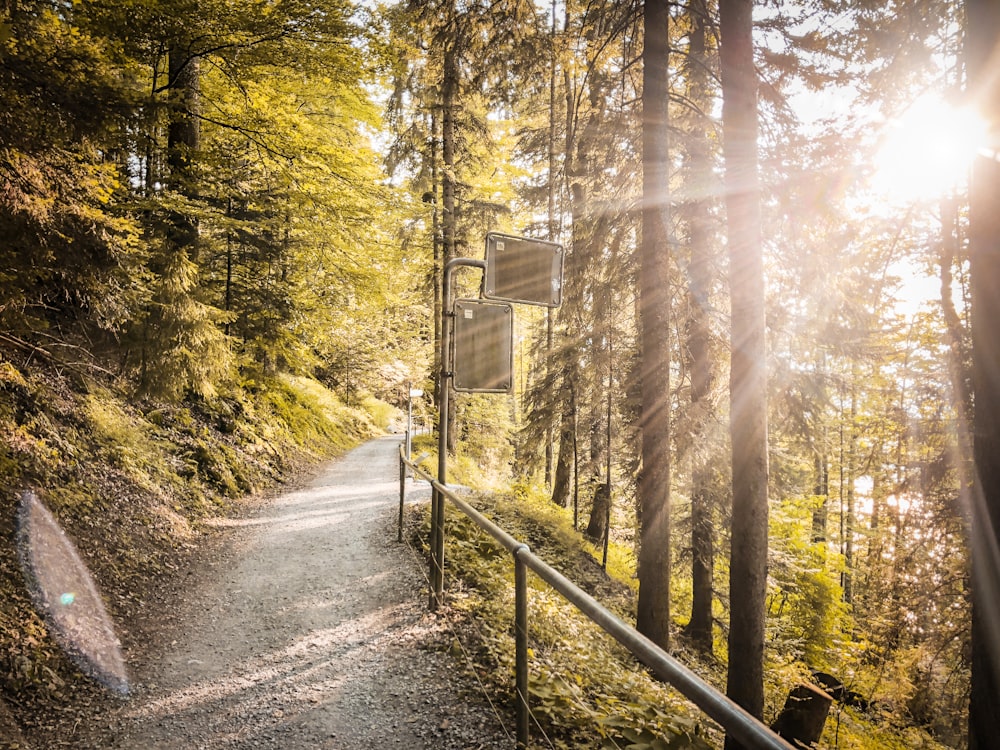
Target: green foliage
300, 257
245, 251
379, 412
314, 417
807, 619
70, 256
183, 348
484, 427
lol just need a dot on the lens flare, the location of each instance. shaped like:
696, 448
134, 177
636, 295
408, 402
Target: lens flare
64, 592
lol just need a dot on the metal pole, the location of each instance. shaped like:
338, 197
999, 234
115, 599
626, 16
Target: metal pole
402, 495
437, 508
436, 500
521, 647
437, 521
409, 421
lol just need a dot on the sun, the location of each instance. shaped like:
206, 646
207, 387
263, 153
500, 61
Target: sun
928, 151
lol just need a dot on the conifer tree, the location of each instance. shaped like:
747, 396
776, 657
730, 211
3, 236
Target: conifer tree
698, 334
983, 36
748, 382
654, 304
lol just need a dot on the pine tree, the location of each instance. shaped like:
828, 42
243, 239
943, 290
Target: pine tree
653, 618
748, 382
983, 34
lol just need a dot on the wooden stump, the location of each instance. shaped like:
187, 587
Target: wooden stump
801, 720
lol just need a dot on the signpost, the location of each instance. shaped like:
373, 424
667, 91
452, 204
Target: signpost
519, 269
516, 270
483, 354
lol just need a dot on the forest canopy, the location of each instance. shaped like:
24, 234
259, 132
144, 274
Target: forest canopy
196, 195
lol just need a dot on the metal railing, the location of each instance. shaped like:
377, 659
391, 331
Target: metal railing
751, 733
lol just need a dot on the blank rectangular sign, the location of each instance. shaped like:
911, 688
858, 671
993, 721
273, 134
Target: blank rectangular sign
482, 354
519, 269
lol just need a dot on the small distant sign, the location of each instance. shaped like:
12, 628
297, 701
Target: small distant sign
483, 353
523, 270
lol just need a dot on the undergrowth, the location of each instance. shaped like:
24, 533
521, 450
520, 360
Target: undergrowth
585, 689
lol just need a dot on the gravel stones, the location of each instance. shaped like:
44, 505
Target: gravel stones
310, 631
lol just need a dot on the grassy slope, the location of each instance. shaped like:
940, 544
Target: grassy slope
130, 482
586, 691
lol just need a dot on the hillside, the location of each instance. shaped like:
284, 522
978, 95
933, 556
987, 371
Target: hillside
132, 483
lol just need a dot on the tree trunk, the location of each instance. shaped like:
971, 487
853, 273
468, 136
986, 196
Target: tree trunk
653, 618
820, 490
553, 230
983, 35
449, 101
961, 393
597, 526
184, 128
699, 341
565, 463
438, 266
183, 141
748, 376
801, 720
849, 523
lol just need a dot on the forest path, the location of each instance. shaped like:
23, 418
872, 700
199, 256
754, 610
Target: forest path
310, 632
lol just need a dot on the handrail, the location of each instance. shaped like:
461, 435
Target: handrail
738, 723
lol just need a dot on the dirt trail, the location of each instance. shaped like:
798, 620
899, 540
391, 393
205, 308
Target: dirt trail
311, 633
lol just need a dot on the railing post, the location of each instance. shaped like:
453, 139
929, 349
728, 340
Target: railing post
523, 707
435, 571
402, 494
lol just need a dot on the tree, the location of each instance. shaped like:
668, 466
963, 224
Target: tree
455, 63
653, 619
594, 330
71, 263
983, 36
698, 334
748, 374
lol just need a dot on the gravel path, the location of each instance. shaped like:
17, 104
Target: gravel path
312, 633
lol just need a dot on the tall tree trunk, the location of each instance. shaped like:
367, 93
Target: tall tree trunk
961, 393
553, 229
449, 101
821, 489
849, 522
748, 375
699, 339
438, 265
228, 300
982, 39
167, 370
600, 506
565, 464
653, 618
183, 141
567, 470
